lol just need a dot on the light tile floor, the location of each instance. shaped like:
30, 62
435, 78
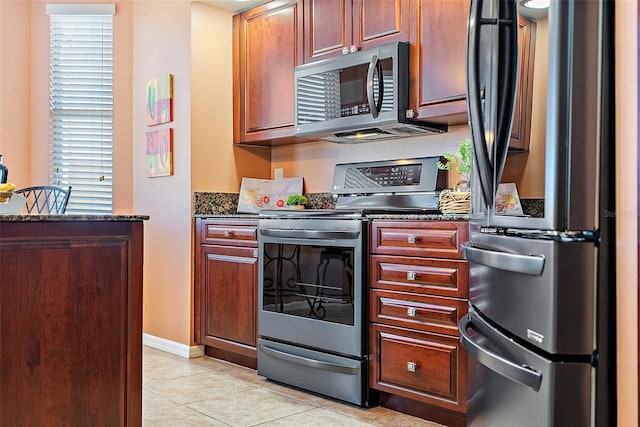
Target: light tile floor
209, 392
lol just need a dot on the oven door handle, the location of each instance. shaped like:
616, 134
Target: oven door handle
305, 361
309, 234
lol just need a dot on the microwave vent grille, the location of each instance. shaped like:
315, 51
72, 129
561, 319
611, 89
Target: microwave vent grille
318, 97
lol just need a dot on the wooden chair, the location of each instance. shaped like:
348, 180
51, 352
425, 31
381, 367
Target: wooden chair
46, 199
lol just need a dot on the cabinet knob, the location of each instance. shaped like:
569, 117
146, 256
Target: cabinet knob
353, 48
412, 238
411, 366
227, 233
345, 50
411, 275
411, 312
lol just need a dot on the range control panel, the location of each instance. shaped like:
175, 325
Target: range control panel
389, 176
402, 175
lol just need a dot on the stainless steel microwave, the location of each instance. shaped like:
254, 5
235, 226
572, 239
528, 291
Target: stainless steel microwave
360, 96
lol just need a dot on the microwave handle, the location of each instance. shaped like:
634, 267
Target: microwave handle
374, 106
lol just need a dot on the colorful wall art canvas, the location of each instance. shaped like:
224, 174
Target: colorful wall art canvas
159, 100
159, 153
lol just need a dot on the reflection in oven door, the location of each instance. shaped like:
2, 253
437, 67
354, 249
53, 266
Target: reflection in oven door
314, 282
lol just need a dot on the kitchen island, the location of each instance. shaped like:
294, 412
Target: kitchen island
71, 319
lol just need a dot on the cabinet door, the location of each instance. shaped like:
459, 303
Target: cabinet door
327, 28
521, 128
228, 294
378, 22
266, 51
438, 61
332, 25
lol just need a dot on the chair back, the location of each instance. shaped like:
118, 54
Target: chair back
46, 199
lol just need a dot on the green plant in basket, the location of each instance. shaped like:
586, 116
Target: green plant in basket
461, 159
297, 200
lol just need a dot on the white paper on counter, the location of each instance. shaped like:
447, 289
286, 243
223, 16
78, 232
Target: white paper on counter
507, 200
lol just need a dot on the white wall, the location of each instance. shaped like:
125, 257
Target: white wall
315, 161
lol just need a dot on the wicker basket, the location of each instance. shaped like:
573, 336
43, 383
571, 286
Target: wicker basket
455, 202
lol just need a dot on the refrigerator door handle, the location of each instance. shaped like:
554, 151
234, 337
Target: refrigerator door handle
475, 101
519, 373
508, 69
525, 264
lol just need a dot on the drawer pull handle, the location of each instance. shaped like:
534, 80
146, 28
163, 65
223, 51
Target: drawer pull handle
227, 233
412, 238
412, 312
411, 366
411, 275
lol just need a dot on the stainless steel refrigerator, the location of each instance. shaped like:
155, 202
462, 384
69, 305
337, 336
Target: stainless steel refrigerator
540, 333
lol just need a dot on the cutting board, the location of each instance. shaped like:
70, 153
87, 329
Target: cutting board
256, 194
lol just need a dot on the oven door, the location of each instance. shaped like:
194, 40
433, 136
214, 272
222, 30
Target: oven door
311, 283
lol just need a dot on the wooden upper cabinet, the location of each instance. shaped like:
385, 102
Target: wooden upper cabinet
328, 28
438, 61
332, 25
521, 127
267, 47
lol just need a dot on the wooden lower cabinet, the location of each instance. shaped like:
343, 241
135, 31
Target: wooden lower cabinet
422, 366
71, 316
226, 289
419, 286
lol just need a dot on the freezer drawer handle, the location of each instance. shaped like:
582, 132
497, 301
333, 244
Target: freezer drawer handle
525, 264
305, 361
519, 373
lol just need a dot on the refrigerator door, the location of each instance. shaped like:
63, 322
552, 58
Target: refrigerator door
491, 81
541, 291
509, 385
566, 111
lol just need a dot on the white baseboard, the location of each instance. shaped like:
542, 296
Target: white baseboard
182, 350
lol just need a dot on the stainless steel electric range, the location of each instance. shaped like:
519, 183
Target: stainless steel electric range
312, 300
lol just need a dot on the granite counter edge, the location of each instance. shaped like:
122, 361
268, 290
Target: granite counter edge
72, 218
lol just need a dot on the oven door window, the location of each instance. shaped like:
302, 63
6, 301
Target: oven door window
314, 282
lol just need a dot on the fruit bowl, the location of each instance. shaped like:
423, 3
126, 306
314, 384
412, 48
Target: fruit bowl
5, 196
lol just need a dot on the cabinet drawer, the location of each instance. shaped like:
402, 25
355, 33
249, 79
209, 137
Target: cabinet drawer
420, 275
422, 366
439, 239
427, 313
230, 233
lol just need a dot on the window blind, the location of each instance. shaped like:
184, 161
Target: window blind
81, 107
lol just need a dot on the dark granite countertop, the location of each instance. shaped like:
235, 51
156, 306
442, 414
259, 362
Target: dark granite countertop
78, 218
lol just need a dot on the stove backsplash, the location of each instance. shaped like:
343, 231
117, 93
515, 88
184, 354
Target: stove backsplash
205, 203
